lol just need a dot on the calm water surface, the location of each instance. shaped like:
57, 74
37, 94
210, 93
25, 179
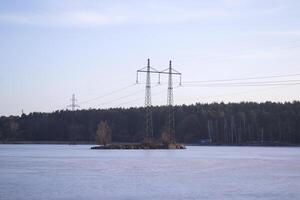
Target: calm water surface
71, 172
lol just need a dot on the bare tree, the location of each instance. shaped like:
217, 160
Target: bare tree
166, 138
103, 134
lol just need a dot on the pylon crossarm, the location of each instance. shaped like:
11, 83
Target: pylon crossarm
151, 71
176, 71
173, 71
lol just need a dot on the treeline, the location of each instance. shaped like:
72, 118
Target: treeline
233, 123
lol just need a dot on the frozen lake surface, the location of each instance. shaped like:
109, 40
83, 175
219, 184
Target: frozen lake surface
74, 172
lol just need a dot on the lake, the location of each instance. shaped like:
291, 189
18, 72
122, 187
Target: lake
71, 172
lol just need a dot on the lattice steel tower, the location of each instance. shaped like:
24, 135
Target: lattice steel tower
170, 101
171, 121
148, 136
73, 103
149, 123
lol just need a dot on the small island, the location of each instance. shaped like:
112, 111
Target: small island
140, 146
103, 138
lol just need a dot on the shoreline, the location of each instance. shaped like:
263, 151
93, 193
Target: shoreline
145, 146
186, 144
50, 142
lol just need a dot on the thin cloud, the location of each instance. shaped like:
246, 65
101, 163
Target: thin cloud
138, 13
96, 19
278, 33
78, 19
91, 19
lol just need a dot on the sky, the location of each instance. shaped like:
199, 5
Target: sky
51, 49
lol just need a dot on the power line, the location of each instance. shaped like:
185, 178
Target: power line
107, 94
122, 97
206, 83
214, 83
240, 93
247, 78
260, 82
127, 95
277, 82
187, 82
140, 98
243, 92
242, 85
211, 85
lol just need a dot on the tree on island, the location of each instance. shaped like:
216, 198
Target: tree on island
166, 138
103, 134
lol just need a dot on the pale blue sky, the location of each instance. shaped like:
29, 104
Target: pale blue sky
52, 48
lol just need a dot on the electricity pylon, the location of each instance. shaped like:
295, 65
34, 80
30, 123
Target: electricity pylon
73, 103
170, 100
148, 136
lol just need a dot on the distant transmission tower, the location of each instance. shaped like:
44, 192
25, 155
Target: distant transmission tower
148, 136
73, 103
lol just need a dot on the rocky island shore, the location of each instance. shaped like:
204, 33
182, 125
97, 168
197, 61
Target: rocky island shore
140, 146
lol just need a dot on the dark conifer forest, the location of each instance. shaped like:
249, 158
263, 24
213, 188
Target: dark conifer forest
233, 123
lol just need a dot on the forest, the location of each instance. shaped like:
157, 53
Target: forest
219, 123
